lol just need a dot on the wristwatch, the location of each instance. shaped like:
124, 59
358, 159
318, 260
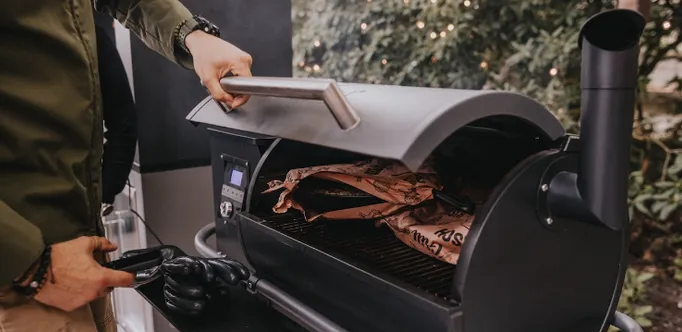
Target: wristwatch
188, 26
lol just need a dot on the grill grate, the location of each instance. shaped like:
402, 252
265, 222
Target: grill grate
362, 242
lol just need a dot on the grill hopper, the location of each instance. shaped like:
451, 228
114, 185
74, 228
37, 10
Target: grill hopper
528, 263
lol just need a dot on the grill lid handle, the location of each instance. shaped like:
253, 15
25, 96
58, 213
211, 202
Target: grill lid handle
325, 90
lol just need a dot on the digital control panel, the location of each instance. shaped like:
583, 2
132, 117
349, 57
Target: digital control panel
235, 184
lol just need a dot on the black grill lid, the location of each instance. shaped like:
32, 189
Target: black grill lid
392, 122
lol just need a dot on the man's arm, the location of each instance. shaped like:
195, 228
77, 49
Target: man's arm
153, 21
21, 243
156, 22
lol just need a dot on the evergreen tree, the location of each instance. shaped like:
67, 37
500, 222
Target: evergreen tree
529, 46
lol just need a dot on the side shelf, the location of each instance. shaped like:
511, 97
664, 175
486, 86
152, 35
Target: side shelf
241, 313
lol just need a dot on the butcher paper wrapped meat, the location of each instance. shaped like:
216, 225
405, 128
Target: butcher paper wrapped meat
386, 192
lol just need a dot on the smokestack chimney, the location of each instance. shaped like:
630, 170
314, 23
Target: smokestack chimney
610, 52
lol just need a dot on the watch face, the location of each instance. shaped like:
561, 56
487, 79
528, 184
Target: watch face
206, 26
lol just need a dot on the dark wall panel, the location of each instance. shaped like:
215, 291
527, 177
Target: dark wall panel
165, 93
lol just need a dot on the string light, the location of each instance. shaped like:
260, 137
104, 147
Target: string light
420, 25
667, 25
553, 71
301, 64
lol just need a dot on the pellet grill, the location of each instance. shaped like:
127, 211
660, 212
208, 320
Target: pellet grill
547, 251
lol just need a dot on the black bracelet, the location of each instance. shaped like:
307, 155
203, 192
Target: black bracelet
39, 277
184, 28
29, 272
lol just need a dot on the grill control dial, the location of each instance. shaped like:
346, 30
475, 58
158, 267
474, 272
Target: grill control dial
226, 209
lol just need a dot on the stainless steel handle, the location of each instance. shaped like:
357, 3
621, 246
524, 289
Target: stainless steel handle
325, 90
200, 244
625, 323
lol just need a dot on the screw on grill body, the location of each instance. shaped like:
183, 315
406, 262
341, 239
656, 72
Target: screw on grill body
549, 221
544, 187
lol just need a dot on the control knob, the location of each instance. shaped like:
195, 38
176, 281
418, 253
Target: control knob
226, 209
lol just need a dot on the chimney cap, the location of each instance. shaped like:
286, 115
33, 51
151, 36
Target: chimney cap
613, 30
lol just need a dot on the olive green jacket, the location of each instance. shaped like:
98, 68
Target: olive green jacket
51, 116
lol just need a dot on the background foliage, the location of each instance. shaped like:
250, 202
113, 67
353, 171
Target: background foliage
529, 46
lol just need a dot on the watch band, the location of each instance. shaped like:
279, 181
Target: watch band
188, 26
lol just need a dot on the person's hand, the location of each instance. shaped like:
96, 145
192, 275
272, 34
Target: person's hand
214, 58
75, 278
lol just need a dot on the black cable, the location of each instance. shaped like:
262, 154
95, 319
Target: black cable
130, 207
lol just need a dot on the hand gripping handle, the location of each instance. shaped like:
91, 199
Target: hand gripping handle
325, 90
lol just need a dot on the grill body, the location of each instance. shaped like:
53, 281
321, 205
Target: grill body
516, 273
545, 252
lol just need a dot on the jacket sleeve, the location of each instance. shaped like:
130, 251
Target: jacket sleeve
21, 243
153, 21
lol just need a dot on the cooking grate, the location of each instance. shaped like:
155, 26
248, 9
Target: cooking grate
362, 242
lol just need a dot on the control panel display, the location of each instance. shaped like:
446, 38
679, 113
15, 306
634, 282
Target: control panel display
236, 177
235, 181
